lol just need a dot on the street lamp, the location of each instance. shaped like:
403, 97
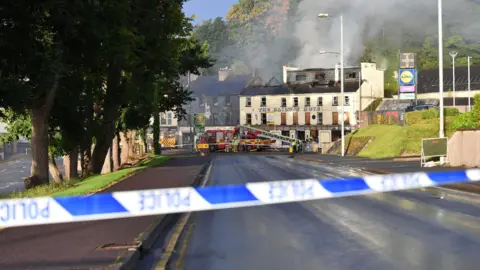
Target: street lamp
453, 54
440, 71
326, 15
469, 90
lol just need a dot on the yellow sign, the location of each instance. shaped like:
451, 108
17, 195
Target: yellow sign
406, 76
202, 146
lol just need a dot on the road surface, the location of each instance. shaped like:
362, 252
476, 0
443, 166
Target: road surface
402, 230
13, 173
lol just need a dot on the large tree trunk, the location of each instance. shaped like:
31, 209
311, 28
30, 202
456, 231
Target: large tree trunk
116, 152
143, 136
131, 136
86, 156
39, 142
71, 164
107, 165
39, 145
105, 135
54, 171
157, 150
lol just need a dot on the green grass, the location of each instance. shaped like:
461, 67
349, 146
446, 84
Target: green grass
393, 140
88, 185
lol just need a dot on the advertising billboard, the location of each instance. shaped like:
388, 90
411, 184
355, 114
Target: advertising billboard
406, 76
407, 89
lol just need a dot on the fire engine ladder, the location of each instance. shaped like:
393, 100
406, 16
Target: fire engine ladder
267, 134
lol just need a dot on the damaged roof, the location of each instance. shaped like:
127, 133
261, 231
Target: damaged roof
428, 79
211, 86
296, 89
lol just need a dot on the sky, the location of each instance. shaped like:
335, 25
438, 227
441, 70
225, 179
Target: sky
207, 9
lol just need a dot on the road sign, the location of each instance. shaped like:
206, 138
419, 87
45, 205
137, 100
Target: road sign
433, 147
407, 60
202, 146
406, 77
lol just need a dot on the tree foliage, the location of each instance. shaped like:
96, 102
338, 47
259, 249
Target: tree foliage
72, 72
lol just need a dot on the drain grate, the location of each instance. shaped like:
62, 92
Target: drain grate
116, 246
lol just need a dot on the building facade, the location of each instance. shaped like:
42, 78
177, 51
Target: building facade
218, 98
309, 105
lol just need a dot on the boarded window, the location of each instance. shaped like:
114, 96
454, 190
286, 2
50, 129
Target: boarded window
335, 118
284, 118
295, 118
307, 118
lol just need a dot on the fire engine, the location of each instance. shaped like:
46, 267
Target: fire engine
242, 137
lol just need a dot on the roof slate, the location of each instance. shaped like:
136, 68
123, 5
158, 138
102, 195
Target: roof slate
210, 86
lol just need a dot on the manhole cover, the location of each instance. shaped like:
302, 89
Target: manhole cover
116, 246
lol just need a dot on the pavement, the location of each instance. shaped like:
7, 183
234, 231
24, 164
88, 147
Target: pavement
75, 245
395, 231
14, 171
392, 165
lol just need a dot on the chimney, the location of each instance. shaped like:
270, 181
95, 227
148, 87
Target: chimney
224, 73
337, 73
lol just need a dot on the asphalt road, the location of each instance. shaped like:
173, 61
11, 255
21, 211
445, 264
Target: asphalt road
402, 230
13, 173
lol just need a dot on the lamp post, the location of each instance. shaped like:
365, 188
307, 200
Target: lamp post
468, 85
440, 71
453, 54
342, 96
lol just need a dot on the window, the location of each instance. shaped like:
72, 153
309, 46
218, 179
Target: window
284, 102
295, 102
227, 101
320, 118
249, 118
264, 102
215, 100
163, 119
347, 101
335, 101
264, 118
201, 100
307, 102
301, 77
169, 118
248, 102
352, 75
320, 101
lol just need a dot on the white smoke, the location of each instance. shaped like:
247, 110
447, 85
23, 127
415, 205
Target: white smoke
364, 19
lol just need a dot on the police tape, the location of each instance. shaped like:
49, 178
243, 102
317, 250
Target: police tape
50, 210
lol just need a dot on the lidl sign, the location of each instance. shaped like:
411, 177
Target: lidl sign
406, 77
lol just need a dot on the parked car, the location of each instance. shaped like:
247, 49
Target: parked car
420, 107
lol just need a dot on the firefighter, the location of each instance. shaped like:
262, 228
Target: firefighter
294, 146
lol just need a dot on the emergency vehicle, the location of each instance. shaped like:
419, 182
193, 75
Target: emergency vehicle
242, 138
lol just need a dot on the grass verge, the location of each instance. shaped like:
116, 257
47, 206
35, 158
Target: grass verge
88, 185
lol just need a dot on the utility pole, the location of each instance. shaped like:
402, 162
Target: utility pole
469, 89
453, 54
440, 72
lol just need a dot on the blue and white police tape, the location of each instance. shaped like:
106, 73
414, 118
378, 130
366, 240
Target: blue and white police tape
49, 210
